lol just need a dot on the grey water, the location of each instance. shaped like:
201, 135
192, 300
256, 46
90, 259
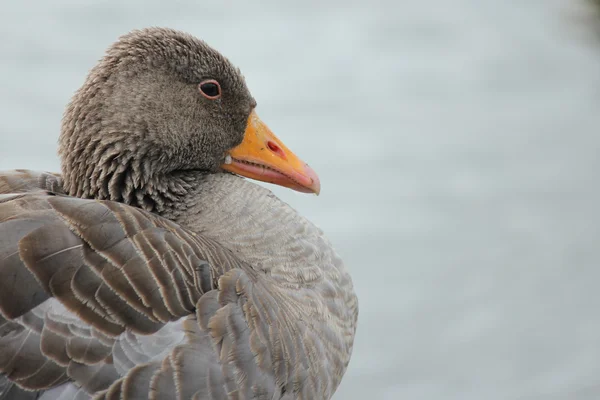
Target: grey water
458, 145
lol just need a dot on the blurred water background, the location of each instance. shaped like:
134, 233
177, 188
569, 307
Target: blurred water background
458, 144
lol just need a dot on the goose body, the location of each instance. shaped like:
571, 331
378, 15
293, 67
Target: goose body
147, 269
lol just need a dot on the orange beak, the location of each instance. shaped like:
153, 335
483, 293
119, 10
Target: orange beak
262, 156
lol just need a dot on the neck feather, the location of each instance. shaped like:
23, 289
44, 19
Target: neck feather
263, 230
131, 173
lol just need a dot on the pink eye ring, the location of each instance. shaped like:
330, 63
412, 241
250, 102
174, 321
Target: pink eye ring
210, 89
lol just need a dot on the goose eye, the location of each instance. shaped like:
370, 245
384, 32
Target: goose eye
210, 89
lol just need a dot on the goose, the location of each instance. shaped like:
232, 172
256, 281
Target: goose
151, 267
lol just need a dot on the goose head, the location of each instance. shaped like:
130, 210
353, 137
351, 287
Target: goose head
162, 104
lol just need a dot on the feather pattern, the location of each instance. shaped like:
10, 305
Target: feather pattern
143, 271
101, 299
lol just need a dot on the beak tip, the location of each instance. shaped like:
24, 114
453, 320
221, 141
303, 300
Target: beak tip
315, 183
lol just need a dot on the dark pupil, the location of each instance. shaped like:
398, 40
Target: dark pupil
210, 89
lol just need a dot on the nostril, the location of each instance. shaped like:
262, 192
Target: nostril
276, 149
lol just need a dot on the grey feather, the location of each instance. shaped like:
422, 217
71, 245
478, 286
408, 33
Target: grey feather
143, 271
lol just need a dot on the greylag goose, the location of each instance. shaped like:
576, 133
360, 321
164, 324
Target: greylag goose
150, 268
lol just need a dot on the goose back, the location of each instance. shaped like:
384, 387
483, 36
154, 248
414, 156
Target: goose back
102, 299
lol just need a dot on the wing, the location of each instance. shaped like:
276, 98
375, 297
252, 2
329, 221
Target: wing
97, 297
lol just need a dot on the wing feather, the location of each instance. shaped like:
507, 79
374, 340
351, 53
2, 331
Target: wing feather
99, 298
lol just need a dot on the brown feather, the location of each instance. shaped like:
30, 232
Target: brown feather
144, 272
